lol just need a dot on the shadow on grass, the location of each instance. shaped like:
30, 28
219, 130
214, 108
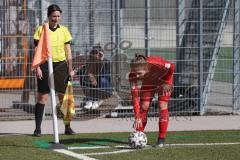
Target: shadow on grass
93, 141
13, 134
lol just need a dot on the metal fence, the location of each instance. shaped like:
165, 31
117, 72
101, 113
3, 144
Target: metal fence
200, 37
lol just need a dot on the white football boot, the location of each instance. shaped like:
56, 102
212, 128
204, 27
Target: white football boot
88, 105
97, 104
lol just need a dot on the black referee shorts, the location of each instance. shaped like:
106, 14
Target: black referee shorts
60, 71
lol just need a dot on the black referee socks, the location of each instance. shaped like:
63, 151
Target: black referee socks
39, 109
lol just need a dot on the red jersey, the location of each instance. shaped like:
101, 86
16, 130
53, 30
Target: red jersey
159, 68
160, 71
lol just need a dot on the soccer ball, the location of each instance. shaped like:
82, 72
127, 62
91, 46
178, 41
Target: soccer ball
137, 140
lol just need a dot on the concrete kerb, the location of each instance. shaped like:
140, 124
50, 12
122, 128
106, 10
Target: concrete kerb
188, 123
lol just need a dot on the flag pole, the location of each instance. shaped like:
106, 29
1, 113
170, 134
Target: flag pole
53, 100
56, 144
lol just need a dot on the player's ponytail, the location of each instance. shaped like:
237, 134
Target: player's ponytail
140, 56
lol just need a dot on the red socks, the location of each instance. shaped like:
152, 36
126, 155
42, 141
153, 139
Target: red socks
143, 116
163, 123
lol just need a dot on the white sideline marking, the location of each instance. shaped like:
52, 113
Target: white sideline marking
204, 144
188, 144
93, 147
128, 149
106, 153
75, 155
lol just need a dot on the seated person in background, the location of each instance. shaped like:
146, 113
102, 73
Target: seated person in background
96, 79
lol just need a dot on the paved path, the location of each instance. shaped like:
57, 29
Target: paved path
124, 125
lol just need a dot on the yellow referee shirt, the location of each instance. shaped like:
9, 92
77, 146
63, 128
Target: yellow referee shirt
58, 37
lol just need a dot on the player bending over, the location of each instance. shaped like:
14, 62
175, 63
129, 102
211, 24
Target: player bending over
156, 75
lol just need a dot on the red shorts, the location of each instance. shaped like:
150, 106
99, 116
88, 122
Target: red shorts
149, 89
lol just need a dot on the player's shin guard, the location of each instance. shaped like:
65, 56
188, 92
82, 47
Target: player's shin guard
163, 123
39, 109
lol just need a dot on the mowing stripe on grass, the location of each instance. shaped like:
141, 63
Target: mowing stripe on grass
72, 154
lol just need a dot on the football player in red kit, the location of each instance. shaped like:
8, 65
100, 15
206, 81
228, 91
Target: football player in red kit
156, 75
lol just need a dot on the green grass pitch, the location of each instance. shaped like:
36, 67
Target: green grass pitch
26, 147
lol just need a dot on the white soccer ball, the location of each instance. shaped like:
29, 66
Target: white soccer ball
137, 140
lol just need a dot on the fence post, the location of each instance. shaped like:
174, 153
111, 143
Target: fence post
146, 27
117, 41
180, 30
236, 56
69, 7
91, 22
200, 58
180, 22
41, 10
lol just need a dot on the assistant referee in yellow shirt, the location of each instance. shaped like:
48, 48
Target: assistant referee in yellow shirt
62, 65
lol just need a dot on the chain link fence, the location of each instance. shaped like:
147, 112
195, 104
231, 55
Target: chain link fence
200, 37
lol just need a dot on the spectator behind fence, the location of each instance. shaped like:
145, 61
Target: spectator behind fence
96, 79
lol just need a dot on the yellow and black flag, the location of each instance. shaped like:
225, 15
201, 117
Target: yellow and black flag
68, 107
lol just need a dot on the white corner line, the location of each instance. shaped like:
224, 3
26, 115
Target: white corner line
93, 147
106, 153
72, 154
